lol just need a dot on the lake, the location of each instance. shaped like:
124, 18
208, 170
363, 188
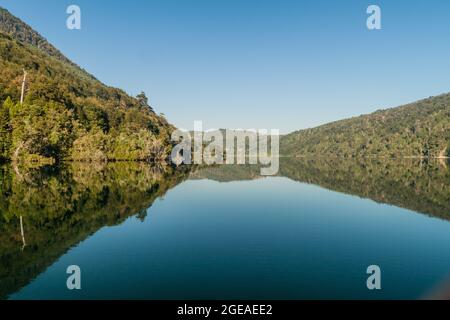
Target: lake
143, 232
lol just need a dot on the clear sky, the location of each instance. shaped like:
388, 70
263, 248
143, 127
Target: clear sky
255, 63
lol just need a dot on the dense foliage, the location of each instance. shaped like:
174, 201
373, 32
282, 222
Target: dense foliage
67, 113
420, 129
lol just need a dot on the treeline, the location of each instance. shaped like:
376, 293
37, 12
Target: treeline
420, 129
51, 132
67, 113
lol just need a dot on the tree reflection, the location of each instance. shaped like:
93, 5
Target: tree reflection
46, 211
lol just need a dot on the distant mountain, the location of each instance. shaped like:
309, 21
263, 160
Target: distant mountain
420, 129
67, 113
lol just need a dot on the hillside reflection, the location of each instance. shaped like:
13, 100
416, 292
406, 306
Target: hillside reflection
46, 211
416, 184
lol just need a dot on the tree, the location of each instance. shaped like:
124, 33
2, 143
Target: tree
143, 101
46, 131
5, 129
91, 146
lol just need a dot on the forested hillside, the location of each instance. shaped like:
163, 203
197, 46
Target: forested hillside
12, 25
67, 113
420, 129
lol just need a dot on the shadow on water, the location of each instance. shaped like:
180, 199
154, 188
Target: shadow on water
46, 211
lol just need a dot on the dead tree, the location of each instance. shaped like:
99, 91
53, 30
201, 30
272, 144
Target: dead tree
24, 244
23, 86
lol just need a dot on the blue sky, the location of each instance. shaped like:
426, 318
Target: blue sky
254, 63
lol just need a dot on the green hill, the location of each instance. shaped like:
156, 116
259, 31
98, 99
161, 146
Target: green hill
67, 113
420, 129
12, 25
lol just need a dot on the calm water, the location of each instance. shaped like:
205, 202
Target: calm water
139, 232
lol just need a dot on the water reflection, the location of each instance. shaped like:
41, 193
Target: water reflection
420, 185
46, 211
